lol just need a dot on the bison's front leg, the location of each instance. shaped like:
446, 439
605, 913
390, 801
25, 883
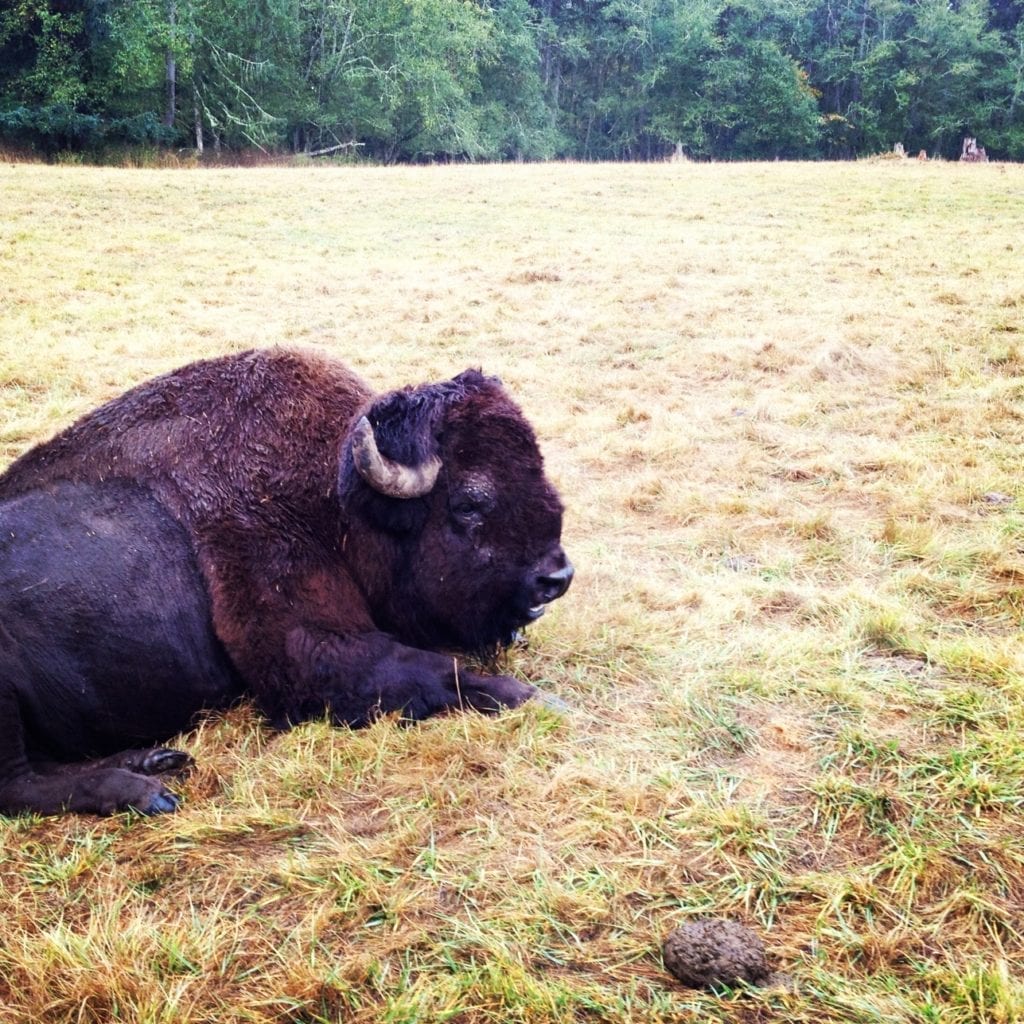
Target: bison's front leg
359, 678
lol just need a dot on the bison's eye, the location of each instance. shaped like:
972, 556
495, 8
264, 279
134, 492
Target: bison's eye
469, 506
466, 509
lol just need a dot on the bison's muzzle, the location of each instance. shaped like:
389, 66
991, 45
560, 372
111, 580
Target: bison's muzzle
550, 584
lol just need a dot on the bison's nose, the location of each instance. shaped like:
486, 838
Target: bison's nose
553, 585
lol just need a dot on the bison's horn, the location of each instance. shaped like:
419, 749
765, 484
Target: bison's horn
382, 474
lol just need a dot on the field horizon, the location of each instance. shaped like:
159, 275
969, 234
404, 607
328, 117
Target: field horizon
784, 405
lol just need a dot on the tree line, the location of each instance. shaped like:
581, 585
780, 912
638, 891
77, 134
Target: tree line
407, 80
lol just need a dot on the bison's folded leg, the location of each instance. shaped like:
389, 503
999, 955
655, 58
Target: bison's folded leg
492, 694
355, 679
160, 761
164, 761
85, 789
155, 761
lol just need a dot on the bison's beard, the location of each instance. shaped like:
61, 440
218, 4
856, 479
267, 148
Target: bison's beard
489, 649
485, 641
478, 625
489, 652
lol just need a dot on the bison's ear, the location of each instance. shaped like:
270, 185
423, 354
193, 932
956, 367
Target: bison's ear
473, 380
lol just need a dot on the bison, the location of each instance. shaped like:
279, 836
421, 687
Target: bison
260, 524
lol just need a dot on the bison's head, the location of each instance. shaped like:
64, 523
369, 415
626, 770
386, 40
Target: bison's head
454, 527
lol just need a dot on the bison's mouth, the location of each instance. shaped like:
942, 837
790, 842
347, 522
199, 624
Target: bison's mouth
508, 627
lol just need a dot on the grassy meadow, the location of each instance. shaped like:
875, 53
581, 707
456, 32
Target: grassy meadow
785, 407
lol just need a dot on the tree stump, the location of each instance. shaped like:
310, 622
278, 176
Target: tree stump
971, 152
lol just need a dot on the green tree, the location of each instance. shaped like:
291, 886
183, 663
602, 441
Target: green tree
511, 79
402, 77
433, 60
730, 88
42, 52
925, 80
65, 81
515, 120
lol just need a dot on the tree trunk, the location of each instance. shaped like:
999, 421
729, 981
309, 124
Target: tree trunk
171, 84
198, 116
172, 72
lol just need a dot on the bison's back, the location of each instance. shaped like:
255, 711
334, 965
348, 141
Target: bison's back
214, 439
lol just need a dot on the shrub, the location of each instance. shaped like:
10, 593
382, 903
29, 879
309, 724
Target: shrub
60, 128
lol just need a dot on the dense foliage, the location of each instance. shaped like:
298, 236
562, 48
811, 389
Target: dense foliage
510, 79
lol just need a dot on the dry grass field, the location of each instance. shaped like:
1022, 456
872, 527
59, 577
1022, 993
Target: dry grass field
785, 407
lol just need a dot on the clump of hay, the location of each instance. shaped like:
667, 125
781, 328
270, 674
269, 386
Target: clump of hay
839, 362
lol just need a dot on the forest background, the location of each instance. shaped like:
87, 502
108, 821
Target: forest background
418, 80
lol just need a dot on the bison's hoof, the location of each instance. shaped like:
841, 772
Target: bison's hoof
164, 761
553, 703
163, 802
